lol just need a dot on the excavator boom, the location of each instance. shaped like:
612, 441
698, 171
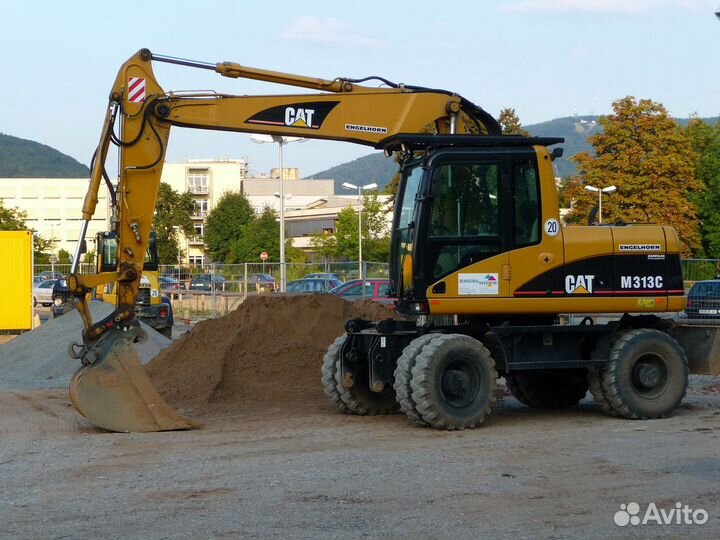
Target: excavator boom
111, 388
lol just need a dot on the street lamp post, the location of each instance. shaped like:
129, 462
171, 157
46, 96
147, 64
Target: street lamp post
599, 191
360, 189
282, 141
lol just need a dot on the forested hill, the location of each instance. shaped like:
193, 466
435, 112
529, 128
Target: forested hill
377, 168
20, 158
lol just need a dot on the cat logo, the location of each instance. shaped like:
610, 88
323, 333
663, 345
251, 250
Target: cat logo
299, 117
303, 115
579, 284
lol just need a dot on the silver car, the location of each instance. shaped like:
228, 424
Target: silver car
42, 292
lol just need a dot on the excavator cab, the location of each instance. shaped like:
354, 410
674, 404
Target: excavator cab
466, 206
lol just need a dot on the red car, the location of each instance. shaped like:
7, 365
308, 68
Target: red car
372, 288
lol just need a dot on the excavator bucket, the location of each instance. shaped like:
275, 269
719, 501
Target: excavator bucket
115, 393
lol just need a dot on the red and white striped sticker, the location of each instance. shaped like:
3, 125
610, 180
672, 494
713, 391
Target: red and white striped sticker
136, 90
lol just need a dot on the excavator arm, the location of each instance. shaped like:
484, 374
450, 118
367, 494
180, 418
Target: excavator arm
111, 388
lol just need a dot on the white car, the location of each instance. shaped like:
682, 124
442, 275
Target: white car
42, 292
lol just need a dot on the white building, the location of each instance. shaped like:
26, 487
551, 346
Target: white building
54, 208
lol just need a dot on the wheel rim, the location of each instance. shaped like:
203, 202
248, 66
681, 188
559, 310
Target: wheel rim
649, 375
459, 383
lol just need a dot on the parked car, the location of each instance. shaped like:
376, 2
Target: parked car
311, 285
377, 289
37, 279
262, 283
703, 300
332, 279
42, 292
207, 282
170, 285
61, 298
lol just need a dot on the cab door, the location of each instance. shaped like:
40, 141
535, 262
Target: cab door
536, 252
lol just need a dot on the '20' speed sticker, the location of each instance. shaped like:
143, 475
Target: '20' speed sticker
552, 227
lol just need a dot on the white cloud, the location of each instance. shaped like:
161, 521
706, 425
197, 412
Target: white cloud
330, 31
598, 6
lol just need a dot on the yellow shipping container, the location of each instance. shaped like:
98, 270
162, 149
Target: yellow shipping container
16, 280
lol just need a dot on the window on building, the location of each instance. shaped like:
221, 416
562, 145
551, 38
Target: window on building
198, 180
309, 227
202, 207
196, 260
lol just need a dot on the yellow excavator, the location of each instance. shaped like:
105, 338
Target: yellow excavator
479, 259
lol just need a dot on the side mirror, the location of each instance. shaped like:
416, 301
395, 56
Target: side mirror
556, 153
83, 246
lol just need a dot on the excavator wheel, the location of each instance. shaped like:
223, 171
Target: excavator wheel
403, 378
646, 375
330, 366
454, 382
548, 389
115, 393
358, 398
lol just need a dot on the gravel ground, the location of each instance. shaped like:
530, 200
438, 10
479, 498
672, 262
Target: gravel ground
310, 472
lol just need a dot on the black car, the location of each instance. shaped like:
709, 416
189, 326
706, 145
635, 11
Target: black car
61, 298
208, 282
703, 300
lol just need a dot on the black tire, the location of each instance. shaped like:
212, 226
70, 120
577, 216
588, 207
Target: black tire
454, 382
598, 393
403, 377
330, 366
548, 389
360, 400
594, 375
646, 375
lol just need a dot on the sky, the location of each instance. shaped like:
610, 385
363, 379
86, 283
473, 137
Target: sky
545, 58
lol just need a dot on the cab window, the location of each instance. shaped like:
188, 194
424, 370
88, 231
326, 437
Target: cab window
465, 216
526, 202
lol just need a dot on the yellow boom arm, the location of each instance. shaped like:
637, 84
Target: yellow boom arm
346, 111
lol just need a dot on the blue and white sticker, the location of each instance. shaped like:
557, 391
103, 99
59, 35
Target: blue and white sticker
552, 227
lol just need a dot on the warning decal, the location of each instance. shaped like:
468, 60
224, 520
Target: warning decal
136, 90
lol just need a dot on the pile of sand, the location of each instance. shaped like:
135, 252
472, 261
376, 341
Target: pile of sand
267, 352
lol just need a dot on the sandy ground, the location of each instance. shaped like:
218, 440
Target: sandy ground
274, 460
310, 472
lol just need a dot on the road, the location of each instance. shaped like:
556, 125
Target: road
310, 472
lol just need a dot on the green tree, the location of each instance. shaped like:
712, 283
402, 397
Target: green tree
172, 210
42, 249
262, 233
705, 139
11, 219
343, 245
510, 123
650, 160
63, 256
226, 224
